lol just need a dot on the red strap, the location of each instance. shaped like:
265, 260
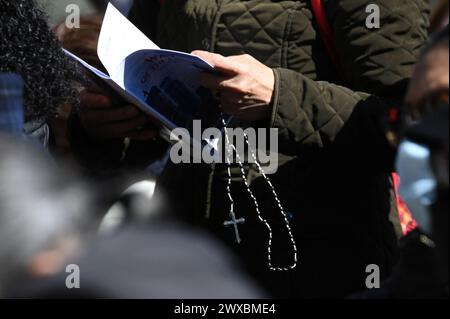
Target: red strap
406, 220
325, 30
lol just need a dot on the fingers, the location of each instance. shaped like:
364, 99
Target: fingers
231, 95
211, 81
233, 84
95, 100
231, 101
219, 62
109, 115
120, 129
104, 121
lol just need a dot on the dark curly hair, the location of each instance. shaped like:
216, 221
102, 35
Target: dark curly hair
29, 48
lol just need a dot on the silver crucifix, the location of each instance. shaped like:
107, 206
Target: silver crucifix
235, 222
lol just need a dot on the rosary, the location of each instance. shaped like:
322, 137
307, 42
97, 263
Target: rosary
230, 148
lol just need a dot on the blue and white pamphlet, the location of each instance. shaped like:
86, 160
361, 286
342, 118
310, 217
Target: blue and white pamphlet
162, 83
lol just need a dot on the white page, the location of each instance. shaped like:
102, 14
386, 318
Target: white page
118, 39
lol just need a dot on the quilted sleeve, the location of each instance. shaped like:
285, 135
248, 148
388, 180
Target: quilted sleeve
378, 60
311, 114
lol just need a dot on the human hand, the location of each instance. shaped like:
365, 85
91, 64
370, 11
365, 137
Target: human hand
245, 88
104, 121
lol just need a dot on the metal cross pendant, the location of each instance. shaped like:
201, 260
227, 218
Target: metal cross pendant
235, 222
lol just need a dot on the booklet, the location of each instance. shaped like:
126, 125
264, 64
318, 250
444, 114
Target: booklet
162, 83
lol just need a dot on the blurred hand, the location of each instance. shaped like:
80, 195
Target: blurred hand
246, 87
103, 121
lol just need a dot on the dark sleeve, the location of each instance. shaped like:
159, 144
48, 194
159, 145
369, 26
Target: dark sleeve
144, 15
378, 61
311, 114
375, 64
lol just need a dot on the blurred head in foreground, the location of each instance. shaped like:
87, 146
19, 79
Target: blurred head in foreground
44, 215
48, 221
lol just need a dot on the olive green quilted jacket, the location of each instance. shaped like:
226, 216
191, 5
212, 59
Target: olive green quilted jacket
333, 176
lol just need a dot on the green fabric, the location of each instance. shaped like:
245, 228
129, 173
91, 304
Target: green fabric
334, 168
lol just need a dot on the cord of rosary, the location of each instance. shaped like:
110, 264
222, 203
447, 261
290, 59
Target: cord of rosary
229, 149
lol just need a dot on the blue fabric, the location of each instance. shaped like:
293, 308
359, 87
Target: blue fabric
11, 104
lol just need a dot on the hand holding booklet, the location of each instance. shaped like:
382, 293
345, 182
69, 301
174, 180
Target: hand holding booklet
162, 83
